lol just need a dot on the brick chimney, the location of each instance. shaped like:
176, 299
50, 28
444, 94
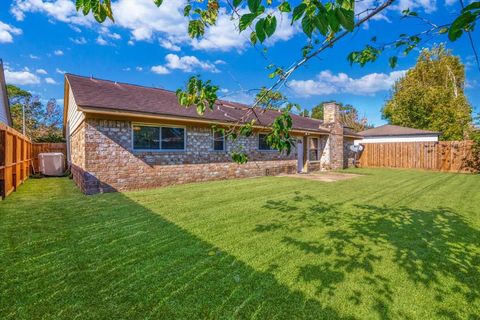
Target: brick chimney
331, 119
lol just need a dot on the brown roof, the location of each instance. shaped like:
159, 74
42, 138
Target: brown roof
391, 130
114, 96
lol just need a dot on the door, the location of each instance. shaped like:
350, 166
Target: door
299, 155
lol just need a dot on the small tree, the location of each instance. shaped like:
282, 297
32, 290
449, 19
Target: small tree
431, 96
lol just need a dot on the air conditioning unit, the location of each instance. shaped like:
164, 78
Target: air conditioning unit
51, 164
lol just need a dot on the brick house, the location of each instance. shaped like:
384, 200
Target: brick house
126, 137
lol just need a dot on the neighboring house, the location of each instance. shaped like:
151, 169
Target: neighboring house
5, 116
124, 137
391, 133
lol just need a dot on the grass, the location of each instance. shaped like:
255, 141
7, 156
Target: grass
393, 244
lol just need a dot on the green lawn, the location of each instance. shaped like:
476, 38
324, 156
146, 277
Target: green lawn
392, 244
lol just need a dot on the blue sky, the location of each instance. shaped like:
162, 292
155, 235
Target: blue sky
42, 39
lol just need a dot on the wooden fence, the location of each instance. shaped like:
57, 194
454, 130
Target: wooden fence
46, 147
450, 156
15, 158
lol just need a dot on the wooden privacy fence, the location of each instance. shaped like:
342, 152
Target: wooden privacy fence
46, 147
15, 158
451, 156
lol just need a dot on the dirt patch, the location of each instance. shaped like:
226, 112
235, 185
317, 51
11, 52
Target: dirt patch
324, 176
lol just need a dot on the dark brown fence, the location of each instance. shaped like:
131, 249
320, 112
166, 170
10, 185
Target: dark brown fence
44, 148
450, 156
15, 159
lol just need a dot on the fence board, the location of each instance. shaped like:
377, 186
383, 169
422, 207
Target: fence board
449, 156
15, 158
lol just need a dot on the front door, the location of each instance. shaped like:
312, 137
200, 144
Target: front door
299, 155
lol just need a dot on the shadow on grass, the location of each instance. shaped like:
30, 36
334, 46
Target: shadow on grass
108, 257
429, 245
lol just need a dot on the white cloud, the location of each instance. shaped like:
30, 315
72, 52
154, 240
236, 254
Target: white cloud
160, 70
41, 71
50, 81
188, 63
58, 52
106, 33
219, 62
33, 57
60, 71
169, 45
7, 32
147, 22
101, 41
144, 19
139, 68
80, 40
328, 83
61, 10
23, 77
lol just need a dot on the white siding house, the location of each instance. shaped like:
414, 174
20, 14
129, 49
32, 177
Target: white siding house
391, 133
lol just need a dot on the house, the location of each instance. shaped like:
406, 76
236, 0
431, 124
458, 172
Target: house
124, 137
5, 116
391, 133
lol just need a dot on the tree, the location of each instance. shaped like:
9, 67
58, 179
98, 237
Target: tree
348, 116
42, 122
324, 24
431, 96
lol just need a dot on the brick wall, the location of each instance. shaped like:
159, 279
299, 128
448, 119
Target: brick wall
110, 164
331, 114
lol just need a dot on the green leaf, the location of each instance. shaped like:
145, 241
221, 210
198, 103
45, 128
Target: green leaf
186, 10
472, 6
308, 25
236, 3
346, 18
443, 30
253, 37
245, 21
321, 23
298, 12
333, 21
270, 25
78, 4
158, 3
260, 30
393, 61
253, 5
284, 7
195, 28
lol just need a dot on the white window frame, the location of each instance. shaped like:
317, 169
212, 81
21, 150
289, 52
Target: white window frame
159, 126
213, 142
258, 144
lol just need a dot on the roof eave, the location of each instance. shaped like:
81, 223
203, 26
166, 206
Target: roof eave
112, 111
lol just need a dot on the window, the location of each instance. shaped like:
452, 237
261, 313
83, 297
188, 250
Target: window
146, 137
262, 142
218, 141
173, 138
313, 150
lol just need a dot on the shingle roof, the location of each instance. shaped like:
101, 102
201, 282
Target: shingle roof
114, 96
391, 130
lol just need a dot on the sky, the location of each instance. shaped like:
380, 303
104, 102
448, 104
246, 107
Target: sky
40, 40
